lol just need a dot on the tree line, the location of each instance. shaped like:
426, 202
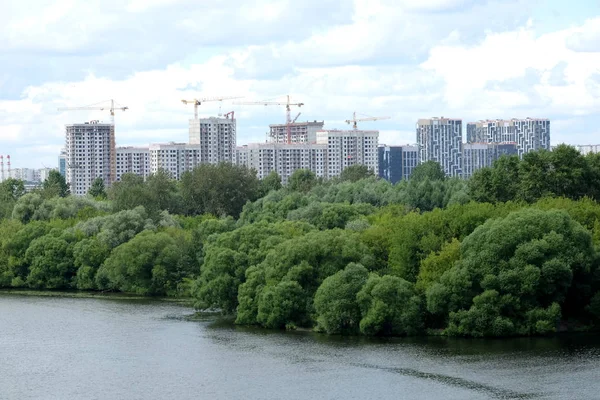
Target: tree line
511, 251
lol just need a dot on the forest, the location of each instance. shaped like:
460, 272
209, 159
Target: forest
512, 251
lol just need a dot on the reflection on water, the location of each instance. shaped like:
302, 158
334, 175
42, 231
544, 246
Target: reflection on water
107, 349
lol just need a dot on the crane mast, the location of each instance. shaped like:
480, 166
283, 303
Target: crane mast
288, 118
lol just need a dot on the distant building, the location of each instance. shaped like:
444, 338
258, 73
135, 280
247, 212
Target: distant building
216, 138
440, 140
396, 163
174, 158
482, 155
25, 174
349, 147
44, 173
283, 158
135, 160
588, 148
300, 132
530, 134
90, 154
62, 162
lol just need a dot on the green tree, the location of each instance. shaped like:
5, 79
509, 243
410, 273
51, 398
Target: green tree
219, 190
336, 306
55, 185
431, 170
302, 180
97, 189
270, 182
355, 173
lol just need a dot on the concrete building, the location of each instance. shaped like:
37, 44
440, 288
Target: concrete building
216, 137
175, 158
440, 140
300, 132
90, 154
349, 147
62, 162
283, 158
396, 163
588, 148
135, 160
42, 174
481, 155
530, 134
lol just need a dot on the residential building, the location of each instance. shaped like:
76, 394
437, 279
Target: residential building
588, 148
396, 163
62, 162
481, 155
300, 132
42, 174
530, 134
135, 160
25, 174
175, 158
283, 158
216, 137
349, 147
440, 140
90, 154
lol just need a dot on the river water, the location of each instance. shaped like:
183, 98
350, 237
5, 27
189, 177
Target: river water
61, 348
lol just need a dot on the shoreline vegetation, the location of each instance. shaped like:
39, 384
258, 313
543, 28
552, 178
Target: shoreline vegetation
513, 251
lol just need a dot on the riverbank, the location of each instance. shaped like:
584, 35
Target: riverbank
187, 302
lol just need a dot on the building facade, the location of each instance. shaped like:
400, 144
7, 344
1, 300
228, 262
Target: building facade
90, 154
482, 155
588, 148
396, 163
300, 132
216, 138
440, 140
530, 134
62, 162
174, 158
134, 160
283, 158
349, 147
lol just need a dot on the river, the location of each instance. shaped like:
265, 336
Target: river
69, 348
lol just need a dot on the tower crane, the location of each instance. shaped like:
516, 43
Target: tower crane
112, 109
287, 104
354, 120
197, 102
294, 120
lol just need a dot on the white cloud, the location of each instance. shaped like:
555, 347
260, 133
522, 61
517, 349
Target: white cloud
404, 60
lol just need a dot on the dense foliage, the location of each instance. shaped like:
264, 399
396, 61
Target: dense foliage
512, 251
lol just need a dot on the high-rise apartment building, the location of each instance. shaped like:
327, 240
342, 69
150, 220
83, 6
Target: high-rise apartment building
349, 147
482, 155
530, 134
300, 132
216, 137
283, 158
134, 160
174, 158
90, 154
440, 140
396, 163
588, 148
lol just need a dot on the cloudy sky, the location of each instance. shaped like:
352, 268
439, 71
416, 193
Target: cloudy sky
406, 59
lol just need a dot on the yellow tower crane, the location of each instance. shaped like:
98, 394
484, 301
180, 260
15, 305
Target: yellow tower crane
197, 102
354, 120
287, 104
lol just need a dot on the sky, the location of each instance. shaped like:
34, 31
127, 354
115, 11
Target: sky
403, 59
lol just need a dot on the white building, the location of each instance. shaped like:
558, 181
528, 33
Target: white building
90, 154
349, 147
283, 158
217, 138
588, 148
300, 132
134, 160
25, 174
175, 158
440, 140
481, 155
42, 174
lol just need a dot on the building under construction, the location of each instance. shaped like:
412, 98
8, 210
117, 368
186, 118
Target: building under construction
90, 154
300, 132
